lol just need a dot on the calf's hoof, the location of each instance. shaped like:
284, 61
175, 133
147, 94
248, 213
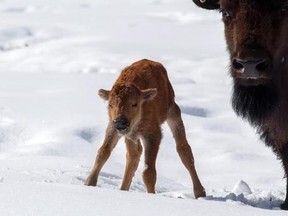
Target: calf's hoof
90, 181
199, 192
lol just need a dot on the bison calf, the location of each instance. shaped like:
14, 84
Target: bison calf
141, 99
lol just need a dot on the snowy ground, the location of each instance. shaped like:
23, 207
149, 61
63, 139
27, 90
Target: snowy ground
55, 55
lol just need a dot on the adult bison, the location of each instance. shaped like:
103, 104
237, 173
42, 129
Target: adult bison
141, 99
256, 33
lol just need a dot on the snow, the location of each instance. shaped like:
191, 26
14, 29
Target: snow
55, 55
84, 201
241, 188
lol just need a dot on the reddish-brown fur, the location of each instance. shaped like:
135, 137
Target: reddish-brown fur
140, 100
256, 33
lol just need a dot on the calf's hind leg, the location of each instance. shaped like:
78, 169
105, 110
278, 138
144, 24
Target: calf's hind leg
134, 151
111, 139
176, 125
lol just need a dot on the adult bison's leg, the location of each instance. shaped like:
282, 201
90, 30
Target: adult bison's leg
284, 157
111, 139
151, 143
176, 125
284, 205
134, 151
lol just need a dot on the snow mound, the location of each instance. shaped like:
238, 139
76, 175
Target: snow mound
241, 188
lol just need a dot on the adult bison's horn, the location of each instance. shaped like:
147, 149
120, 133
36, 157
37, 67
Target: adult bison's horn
207, 4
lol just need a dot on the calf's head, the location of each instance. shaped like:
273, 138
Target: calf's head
256, 34
125, 105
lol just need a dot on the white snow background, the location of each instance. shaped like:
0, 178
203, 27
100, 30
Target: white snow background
55, 55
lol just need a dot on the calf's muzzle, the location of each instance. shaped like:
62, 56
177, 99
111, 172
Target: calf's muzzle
121, 124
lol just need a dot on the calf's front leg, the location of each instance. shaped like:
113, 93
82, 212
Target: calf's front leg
110, 141
151, 146
134, 151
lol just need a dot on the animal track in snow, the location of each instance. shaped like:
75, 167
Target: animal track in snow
194, 111
87, 134
26, 9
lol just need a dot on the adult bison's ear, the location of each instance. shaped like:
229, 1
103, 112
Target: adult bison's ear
207, 4
149, 94
104, 94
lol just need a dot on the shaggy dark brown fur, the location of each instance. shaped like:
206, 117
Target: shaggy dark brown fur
256, 33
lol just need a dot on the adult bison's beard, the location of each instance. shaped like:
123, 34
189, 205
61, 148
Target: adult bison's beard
254, 103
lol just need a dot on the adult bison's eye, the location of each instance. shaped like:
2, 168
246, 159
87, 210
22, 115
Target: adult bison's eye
225, 14
284, 11
134, 105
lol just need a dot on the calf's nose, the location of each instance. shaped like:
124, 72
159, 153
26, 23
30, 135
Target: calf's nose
120, 124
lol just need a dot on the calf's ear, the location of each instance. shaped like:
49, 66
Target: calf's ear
207, 4
104, 94
149, 94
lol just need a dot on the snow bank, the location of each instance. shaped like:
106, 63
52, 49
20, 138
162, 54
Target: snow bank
51, 199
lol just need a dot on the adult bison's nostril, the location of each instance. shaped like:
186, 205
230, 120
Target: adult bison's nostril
262, 65
237, 65
251, 69
121, 124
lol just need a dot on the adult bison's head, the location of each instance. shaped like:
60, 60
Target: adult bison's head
256, 33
